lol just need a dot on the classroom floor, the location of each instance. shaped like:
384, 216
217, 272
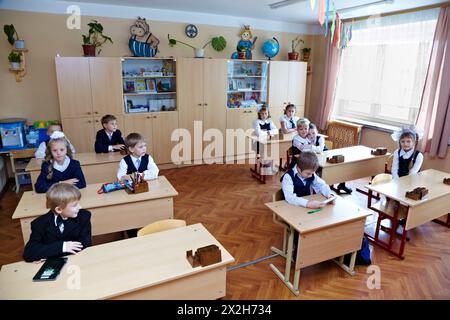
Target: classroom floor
230, 203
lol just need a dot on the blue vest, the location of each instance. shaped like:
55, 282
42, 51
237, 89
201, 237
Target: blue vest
265, 126
130, 164
403, 164
300, 189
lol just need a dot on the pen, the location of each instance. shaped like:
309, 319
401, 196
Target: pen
309, 212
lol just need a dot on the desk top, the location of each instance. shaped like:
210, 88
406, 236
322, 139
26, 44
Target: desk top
33, 204
430, 179
332, 214
88, 158
275, 139
351, 154
115, 268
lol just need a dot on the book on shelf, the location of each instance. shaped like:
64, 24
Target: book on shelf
129, 86
151, 85
141, 86
164, 85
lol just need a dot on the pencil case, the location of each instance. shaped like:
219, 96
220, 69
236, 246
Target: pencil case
110, 187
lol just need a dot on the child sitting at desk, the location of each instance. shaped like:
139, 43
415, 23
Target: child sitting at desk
109, 139
288, 121
137, 161
300, 180
40, 152
65, 229
317, 142
406, 159
264, 127
59, 165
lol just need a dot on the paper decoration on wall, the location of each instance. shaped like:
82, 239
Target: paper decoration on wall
321, 12
340, 32
326, 17
313, 4
142, 42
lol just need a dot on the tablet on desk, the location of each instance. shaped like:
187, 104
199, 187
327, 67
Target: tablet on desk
50, 269
328, 200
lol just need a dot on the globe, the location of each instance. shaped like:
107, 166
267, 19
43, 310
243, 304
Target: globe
270, 48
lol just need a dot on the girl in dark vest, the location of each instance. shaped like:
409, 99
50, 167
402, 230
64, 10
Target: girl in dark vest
264, 128
406, 159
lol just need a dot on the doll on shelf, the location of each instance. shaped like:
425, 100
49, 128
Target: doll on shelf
245, 44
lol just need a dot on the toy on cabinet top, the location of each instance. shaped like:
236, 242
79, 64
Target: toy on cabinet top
204, 256
336, 159
446, 181
380, 151
142, 42
245, 44
417, 194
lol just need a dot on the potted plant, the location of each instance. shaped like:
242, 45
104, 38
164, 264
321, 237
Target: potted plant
293, 55
218, 43
14, 60
13, 36
305, 54
94, 39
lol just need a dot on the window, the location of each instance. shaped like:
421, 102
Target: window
383, 69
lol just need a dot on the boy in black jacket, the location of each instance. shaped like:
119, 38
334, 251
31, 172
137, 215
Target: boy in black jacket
109, 139
65, 229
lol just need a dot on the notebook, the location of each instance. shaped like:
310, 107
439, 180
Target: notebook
50, 269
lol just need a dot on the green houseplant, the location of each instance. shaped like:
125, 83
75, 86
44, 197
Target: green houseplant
13, 36
305, 54
218, 43
293, 55
95, 39
14, 60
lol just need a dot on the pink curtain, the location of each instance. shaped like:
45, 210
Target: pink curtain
434, 112
332, 63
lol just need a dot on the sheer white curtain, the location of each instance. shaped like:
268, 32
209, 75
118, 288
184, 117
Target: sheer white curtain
382, 71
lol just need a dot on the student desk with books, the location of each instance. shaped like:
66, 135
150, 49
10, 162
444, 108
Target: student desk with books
335, 230
148, 267
358, 163
97, 167
433, 206
111, 212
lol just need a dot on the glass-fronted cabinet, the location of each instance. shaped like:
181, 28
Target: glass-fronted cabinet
247, 83
149, 85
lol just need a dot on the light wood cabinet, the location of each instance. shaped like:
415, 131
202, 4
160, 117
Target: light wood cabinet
287, 84
81, 133
240, 119
157, 128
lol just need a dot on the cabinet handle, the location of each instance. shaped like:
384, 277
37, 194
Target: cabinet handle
148, 117
88, 113
95, 112
199, 104
205, 104
96, 121
154, 117
284, 103
89, 121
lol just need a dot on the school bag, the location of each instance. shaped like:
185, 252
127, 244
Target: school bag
363, 256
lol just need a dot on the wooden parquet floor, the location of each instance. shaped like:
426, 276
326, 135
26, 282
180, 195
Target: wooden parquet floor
230, 203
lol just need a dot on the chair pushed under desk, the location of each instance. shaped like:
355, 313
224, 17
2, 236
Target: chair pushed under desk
333, 232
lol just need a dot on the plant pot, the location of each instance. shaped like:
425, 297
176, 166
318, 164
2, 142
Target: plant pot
293, 55
15, 65
305, 56
241, 55
89, 50
199, 53
19, 44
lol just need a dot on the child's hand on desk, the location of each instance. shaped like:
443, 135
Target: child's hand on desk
313, 204
118, 146
71, 181
73, 246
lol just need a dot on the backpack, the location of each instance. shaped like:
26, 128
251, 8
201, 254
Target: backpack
363, 256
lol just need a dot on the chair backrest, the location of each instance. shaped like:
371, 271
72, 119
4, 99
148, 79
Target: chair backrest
329, 144
161, 225
277, 196
381, 178
343, 134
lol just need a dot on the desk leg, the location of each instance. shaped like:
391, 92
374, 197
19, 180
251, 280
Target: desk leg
446, 223
256, 171
350, 269
13, 168
287, 270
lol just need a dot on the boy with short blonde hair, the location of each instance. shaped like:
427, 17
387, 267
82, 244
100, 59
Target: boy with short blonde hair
109, 139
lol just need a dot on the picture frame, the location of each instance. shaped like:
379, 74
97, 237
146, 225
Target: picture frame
151, 85
129, 86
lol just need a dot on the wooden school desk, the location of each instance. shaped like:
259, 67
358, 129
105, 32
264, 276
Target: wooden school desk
97, 167
358, 163
148, 267
334, 231
111, 212
15, 154
434, 205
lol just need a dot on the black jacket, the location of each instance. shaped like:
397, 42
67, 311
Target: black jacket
102, 141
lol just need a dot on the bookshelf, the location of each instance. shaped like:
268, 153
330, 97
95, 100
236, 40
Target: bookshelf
247, 83
149, 85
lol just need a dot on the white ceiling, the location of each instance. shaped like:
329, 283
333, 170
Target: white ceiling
296, 13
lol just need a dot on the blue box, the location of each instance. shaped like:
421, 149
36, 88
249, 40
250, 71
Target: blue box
24, 179
42, 135
12, 133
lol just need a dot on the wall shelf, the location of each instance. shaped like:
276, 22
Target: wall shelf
20, 72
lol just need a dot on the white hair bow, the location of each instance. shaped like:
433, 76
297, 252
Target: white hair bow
57, 134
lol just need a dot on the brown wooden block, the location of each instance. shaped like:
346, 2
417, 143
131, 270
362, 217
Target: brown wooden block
204, 256
336, 159
417, 194
446, 181
380, 151
138, 188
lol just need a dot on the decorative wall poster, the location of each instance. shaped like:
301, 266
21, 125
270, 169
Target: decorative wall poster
326, 17
313, 4
321, 12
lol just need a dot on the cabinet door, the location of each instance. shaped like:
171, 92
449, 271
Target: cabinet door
106, 86
140, 123
240, 119
190, 97
278, 83
74, 87
164, 123
80, 132
297, 83
275, 114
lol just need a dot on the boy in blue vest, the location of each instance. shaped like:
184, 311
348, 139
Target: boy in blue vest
301, 180
137, 161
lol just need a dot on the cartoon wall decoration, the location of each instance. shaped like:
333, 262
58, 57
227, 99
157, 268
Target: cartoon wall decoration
245, 44
142, 42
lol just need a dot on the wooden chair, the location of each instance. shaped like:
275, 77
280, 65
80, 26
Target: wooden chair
278, 196
343, 134
161, 225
